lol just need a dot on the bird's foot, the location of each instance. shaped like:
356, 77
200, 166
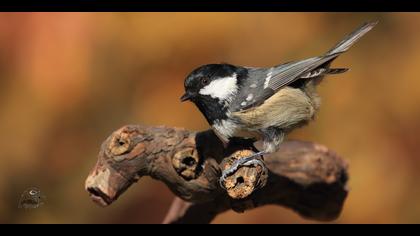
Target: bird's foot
247, 161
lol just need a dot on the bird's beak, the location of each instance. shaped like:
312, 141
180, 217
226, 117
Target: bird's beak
186, 96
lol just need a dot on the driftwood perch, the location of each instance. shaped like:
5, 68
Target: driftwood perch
302, 176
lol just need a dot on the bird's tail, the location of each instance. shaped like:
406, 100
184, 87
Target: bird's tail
350, 39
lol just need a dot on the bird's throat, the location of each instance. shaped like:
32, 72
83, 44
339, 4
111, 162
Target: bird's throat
211, 109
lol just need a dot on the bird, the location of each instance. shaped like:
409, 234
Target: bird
262, 103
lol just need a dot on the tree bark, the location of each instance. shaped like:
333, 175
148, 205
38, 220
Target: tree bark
305, 177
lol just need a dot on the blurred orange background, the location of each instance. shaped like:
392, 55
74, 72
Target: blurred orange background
67, 80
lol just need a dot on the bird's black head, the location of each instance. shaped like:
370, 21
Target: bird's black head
212, 87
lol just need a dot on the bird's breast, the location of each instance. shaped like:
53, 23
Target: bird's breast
229, 128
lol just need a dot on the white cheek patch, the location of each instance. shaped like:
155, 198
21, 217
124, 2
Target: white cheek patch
222, 88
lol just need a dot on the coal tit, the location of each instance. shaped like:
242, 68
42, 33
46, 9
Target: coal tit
262, 103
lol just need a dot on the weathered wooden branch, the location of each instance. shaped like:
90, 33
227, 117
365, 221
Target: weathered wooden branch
303, 176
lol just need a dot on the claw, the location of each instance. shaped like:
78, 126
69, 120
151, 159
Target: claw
222, 180
247, 161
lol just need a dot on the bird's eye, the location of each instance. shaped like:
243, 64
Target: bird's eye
205, 81
32, 192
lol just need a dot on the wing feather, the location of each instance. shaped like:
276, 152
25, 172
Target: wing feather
269, 81
286, 74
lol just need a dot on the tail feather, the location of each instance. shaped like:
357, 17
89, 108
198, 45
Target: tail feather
333, 71
350, 39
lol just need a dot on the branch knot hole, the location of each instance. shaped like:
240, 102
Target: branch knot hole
120, 144
186, 163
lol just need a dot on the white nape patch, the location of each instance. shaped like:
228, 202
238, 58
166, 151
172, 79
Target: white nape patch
253, 86
267, 79
225, 128
250, 96
243, 104
222, 88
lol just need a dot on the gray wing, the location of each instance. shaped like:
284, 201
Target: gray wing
283, 75
263, 83
252, 90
